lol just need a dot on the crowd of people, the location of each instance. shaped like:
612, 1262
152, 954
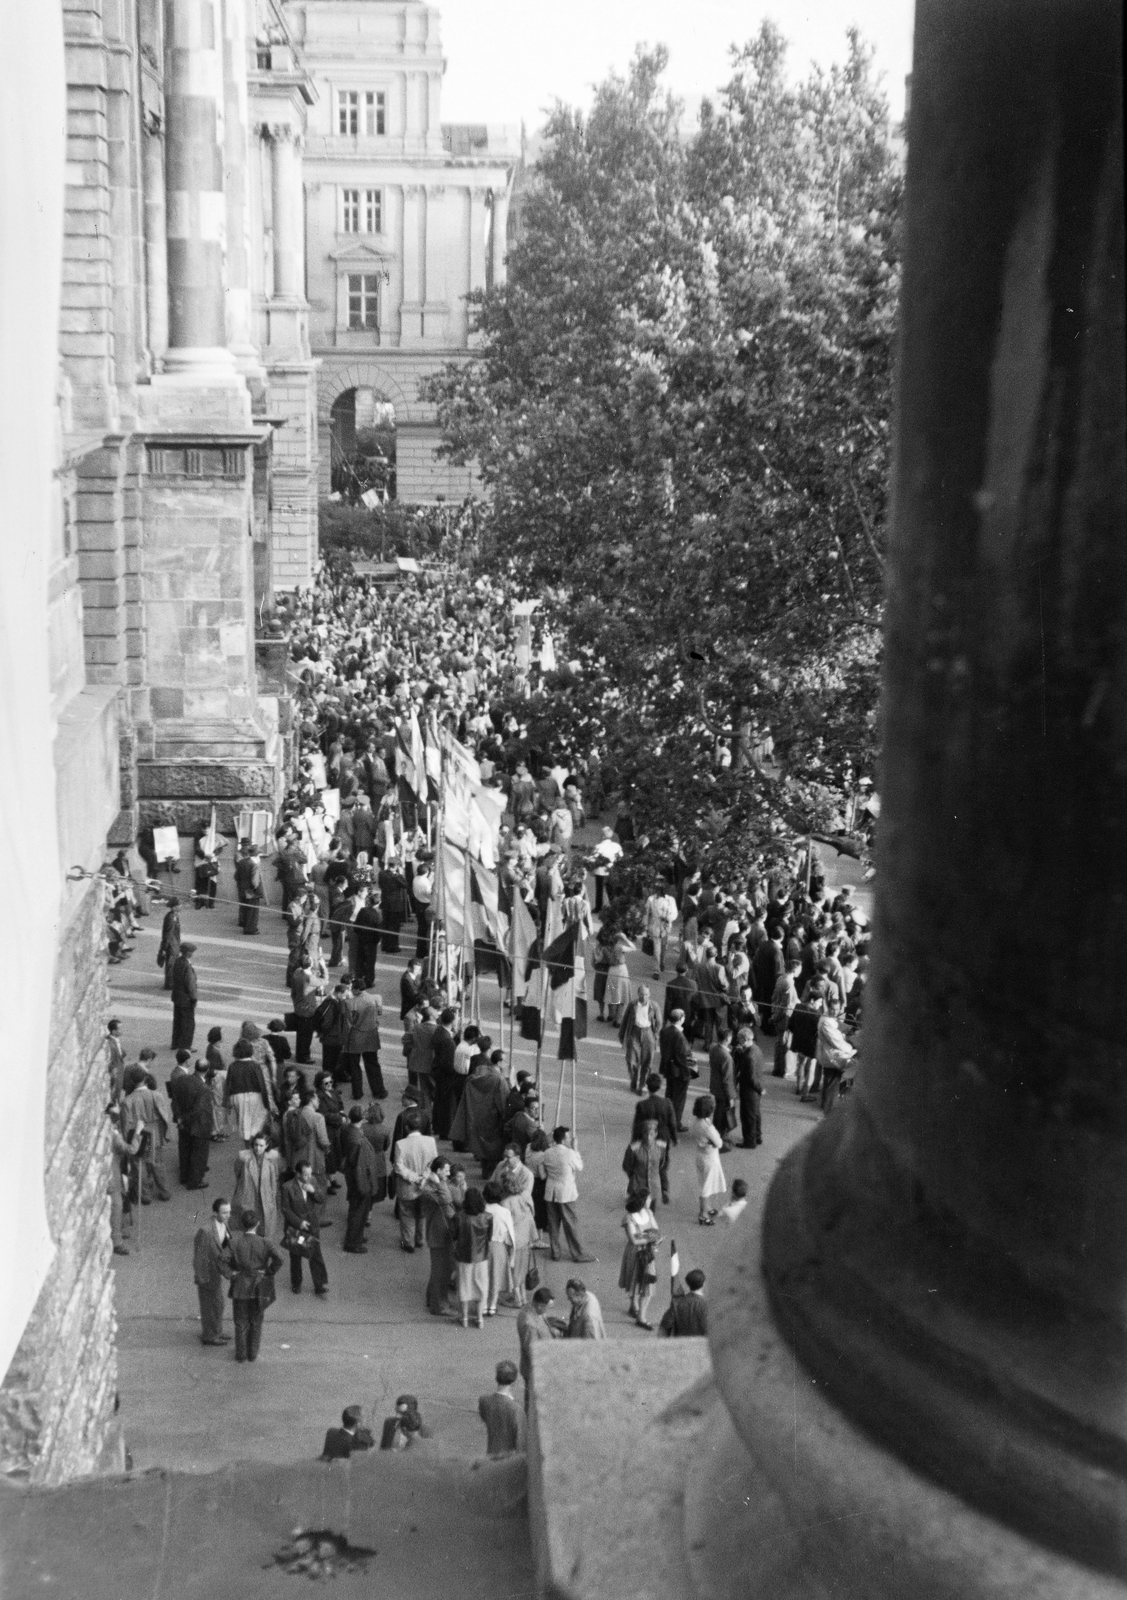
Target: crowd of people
474, 1175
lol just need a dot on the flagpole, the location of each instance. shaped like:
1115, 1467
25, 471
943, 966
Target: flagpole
559, 1095
540, 1030
512, 988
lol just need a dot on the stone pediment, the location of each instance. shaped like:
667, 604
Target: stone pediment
361, 254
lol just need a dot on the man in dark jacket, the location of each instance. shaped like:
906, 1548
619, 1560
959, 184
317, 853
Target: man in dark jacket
687, 1317
748, 1061
679, 995
368, 924
211, 1262
722, 1085
185, 992
168, 951
361, 1176
301, 1209
191, 1106
334, 1030
350, 1436
249, 886
411, 987
767, 966
445, 1078
655, 1108
676, 1064
254, 1261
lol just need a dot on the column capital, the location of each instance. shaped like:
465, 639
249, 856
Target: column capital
282, 133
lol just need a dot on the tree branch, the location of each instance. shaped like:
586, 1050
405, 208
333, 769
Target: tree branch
865, 522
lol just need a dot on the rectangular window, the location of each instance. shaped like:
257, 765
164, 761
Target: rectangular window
350, 211
264, 58
375, 112
373, 210
363, 300
348, 112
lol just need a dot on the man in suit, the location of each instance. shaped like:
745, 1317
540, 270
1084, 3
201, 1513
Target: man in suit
254, 1261
301, 1209
249, 886
351, 1435
334, 1030
362, 1042
767, 967
211, 1260
191, 1106
146, 1107
420, 1062
687, 1317
722, 1085
185, 993
637, 1034
676, 1064
445, 1078
502, 1415
747, 1059
361, 1176
169, 949
411, 988
585, 1320
368, 924
656, 1108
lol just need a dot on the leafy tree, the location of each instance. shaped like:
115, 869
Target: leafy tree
681, 409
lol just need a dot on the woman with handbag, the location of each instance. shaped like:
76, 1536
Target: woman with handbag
471, 1253
708, 1144
638, 1272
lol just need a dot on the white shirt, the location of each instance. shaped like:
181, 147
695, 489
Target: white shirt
502, 1224
732, 1210
607, 851
463, 1055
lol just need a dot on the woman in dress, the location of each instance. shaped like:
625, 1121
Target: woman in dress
538, 1147
502, 1246
618, 979
707, 1142
602, 954
471, 1252
638, 1273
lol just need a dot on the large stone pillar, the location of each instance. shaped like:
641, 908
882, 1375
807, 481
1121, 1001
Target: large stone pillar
411, 309
947, 1255
500, 235
236, 134
478, 220
156, 238
196, 204
289, 233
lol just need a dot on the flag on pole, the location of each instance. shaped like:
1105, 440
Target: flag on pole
676, 1284
524, 945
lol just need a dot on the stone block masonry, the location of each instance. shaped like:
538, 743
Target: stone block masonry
57, 1400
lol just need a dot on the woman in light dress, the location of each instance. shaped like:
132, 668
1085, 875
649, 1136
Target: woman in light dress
618, 980
707, 1142
638, 1272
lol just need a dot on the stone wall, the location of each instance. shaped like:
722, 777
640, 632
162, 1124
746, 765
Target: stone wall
57, 1400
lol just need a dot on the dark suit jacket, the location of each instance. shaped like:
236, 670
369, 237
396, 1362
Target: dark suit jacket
676, 1057
443, 1047
191, 1103
504, 1424
248, 878
679, 997
211, 1261
656, 1108
184, 988
300, 1209
254, 1261
341, 1442
361, 1165
410, 993
686, 1318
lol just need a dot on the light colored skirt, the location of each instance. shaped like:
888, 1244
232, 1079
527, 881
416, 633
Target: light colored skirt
710, 1173
473, 1282
251, 1116
618, 986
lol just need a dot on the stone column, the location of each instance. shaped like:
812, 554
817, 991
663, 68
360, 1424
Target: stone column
436, 309
240, 335
500, 229
288, 205
411, 310
477, 237
196, 205
947, 1254
156, 238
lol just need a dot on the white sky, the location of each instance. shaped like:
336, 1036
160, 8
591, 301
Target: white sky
508, 60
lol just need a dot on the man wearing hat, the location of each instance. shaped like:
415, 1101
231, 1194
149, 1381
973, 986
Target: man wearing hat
169, 948
254, 1261
185, 993
192, 1108
248, 885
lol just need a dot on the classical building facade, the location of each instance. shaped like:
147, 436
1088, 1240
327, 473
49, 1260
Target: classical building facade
172, 487
404, 217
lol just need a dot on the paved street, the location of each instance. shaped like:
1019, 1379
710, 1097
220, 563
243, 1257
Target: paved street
187, 1406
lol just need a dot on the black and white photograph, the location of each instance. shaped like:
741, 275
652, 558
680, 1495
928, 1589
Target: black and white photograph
563, 729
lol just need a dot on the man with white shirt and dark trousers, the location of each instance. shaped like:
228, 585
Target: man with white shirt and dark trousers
211, 1262
560, 1164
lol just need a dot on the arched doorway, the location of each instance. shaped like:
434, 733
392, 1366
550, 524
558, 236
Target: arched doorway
362, 445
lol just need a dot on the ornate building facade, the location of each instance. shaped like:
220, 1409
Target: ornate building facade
404, 216
172, 487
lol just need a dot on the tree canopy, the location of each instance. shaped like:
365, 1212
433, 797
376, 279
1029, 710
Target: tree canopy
680, 406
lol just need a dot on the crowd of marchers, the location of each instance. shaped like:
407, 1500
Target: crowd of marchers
475, 1178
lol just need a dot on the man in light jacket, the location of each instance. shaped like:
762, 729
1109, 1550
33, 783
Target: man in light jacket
560, 1164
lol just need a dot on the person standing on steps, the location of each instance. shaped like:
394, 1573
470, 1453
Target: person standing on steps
169, 948
254, 1263
211, 1261
249, 886
560, 1162
185, 993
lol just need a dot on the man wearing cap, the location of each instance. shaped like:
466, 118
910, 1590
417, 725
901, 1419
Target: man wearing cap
254, 1261
185, 993
249, 886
